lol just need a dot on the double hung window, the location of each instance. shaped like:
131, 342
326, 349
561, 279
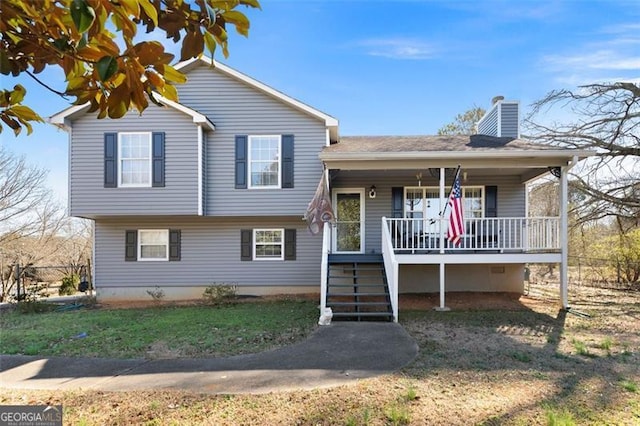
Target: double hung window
268, 244
134, 155
264, 161
153, 244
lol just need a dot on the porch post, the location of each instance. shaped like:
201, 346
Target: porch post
441, 218
442, 306
564, 237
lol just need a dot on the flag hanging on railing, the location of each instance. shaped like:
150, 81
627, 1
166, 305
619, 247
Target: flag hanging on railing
319, 209
455, 231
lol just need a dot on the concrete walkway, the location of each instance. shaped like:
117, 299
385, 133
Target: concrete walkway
336, 354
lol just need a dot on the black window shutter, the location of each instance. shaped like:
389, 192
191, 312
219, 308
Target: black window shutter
174, 244
110, 160
491, 201
131, 246
397, 201
157, 154
246, 243
289, 244
241, 161
287, 161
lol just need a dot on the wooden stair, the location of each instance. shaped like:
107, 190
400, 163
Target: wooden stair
357, 288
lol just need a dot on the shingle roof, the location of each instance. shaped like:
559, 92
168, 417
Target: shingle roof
446, 143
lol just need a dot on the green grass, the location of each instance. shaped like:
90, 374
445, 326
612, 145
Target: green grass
629, 385
191, 331
558, 417
581, 348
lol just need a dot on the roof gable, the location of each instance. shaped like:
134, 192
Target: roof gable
330, 122
62, 119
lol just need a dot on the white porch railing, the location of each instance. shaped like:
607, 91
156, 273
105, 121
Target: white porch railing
523, 234
391, 267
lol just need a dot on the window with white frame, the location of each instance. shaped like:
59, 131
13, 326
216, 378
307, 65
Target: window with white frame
153, 244
264, 161
473, 198
424, 202
134, 159
268, 244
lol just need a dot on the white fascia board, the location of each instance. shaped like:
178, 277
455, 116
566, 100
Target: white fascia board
198, 118
330, 122
453, 155
62, 119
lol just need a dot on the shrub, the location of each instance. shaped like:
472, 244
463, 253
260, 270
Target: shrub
29, 302
69, 285
219, 293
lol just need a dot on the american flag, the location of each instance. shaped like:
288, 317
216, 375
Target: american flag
456, 218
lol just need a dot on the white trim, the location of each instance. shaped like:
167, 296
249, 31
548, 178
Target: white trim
200, 174
330, 122
499, 119
255, 243
249, 184
62, 118
119, 171
139, 248
448, 155
334, 239
477, 258
69, 136
198, 118
93, 254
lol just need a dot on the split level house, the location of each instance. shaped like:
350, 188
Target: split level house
212, 191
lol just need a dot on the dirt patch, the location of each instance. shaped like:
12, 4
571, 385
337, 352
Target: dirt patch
141, 304
463, 301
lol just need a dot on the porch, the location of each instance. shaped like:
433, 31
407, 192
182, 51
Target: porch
409, 241
389, 196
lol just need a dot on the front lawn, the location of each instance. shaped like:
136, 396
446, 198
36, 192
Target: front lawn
481, 365
159, 332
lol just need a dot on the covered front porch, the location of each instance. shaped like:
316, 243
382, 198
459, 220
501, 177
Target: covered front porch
389, 197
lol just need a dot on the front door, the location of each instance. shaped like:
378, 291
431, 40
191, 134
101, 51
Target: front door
348, 234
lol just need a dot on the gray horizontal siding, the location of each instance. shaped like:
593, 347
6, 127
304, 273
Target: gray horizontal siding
489, 126
237, 109
210, 253
88, 197
511, 198
509, 122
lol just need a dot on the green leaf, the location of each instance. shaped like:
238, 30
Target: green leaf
17, 95
150, 10
107, 66
82, 14
5, 66
25, 113
171, 74
210, 42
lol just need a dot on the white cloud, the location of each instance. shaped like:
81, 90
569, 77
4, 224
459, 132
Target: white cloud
398, 48
614, 55
601, 59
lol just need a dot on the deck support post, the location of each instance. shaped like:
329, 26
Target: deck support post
442, 306
564, 237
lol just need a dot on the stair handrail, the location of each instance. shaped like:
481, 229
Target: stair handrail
390, 267
324, 265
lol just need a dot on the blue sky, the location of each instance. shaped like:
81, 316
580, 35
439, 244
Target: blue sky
400, 67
